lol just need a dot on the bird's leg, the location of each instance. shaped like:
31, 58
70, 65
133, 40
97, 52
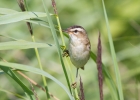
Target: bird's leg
75, 83
77, 74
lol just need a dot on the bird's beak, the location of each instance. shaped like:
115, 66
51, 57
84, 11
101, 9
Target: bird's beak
66, 31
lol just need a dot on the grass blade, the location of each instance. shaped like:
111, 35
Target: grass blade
22, 45
66, 59
7, 11
116, 68
24, 7
10, 73
15, 94
19, 16
36, 71
57, 43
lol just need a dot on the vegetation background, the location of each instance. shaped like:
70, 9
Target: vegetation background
124, 20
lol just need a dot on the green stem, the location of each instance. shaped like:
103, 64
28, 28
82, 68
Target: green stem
40, 65
36, 51
66, 59
116, 68
57, 43
60, 30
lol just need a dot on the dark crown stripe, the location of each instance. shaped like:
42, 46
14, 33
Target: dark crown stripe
76, 26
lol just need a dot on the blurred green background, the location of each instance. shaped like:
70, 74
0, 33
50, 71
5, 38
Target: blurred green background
124, 19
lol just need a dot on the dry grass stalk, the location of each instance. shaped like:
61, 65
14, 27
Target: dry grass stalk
99, 67
81, 94
54, 7
35, 94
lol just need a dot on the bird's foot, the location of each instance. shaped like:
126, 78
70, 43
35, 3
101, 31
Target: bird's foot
65, 53
74, 85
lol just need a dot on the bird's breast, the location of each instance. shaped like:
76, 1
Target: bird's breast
78, 53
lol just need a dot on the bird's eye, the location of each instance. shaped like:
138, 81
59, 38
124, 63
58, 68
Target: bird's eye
76, 31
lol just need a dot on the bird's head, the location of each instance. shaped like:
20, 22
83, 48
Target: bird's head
76, 31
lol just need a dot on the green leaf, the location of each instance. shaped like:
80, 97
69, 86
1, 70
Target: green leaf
19, 16
10, 73
7, 11
36, 71
21, 44
8, 37
38, 22
15, 94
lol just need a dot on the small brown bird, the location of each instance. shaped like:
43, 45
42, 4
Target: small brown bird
79, 46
